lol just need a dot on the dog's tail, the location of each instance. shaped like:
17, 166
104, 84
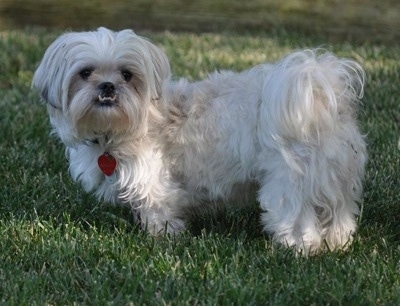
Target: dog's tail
308, 93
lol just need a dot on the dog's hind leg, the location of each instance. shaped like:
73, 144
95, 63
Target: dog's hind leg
286, 213
310, 196
312, 154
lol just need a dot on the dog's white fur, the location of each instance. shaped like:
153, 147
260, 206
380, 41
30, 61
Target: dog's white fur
289, 128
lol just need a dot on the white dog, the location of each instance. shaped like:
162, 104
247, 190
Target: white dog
166, 147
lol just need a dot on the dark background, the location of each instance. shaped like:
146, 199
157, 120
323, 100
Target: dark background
354, 20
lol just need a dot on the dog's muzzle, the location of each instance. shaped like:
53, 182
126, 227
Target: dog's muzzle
108, 95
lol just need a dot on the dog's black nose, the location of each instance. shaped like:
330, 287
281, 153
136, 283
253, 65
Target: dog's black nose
107, 89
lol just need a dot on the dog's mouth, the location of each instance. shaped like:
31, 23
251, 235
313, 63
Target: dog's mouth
106, 100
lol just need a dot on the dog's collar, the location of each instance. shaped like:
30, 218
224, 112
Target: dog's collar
92, 141
54, 106
102, 140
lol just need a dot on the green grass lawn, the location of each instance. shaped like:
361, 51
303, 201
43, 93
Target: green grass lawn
366, 20
59, 246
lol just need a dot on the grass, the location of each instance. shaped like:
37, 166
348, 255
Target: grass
59, 246
367, 20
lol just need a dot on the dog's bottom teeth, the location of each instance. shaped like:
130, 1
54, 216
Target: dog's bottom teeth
107, 98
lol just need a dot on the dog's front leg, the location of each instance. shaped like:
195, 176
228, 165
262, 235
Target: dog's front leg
158, 221
162, 208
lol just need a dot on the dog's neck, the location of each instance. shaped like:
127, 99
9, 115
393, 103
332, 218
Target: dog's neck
102, 140
121, 144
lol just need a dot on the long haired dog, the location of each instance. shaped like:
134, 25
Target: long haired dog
165, 147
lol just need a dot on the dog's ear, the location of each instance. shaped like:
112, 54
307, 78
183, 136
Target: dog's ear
147, 60
161, 69
49, 76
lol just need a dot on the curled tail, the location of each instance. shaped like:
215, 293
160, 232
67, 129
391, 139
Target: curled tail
307, 93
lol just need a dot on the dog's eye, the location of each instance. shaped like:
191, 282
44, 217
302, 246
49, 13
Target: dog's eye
127, 75
85, 73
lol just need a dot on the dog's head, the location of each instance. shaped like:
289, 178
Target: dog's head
100, 82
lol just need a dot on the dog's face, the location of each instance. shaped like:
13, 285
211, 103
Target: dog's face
100, 82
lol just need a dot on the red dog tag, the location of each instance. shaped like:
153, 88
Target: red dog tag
107, 163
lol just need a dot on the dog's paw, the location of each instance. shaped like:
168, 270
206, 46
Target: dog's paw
305, 245
340, 236
157, 223
312, 245
161, 227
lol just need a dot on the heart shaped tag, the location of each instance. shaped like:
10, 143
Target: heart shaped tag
107, 163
